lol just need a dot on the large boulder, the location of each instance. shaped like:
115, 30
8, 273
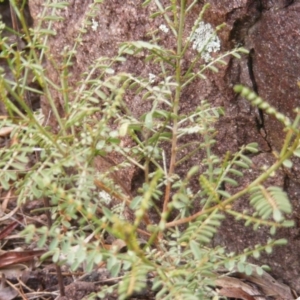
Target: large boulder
271, 33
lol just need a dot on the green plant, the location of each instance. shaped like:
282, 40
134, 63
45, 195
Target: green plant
177, 253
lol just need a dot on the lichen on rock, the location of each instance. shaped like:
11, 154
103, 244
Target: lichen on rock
205, 40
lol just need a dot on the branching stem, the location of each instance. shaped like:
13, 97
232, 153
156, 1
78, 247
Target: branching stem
241, 193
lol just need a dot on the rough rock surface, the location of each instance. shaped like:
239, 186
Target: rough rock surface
270, 30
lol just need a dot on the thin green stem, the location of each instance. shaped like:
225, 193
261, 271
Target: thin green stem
252, 219
290, 134
191, 154
175, 106
191, 5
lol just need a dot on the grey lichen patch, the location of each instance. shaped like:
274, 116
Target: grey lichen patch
205, 41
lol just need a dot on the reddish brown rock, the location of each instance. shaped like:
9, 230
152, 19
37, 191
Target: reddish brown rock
270, 31
275, 44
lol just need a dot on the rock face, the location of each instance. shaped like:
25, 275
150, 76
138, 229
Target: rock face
269, 30
275, 44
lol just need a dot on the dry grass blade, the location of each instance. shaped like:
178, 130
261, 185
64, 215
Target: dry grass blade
8, 229
10, 258
4, 131
235, 293
259, 287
